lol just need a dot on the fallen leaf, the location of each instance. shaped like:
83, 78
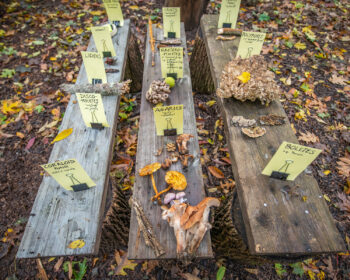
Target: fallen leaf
344, 166
308, 137
125, 264
42, 272
189, 276
216, 172
30, 144
344, 205
62, 135
340, 80
58, 264
79, 243
20, 134
300, 46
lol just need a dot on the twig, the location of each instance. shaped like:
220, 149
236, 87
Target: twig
151, 39
229, 31
147, 230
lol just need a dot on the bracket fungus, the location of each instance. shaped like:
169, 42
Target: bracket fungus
190, 223
175, 180
261, 84
158, 92
253, 132
149, 170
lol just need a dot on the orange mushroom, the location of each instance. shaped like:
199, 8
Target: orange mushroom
149, 170
175, 180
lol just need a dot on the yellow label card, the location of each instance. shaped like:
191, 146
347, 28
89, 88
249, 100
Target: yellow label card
103, 40
229, 13
91, 108
171, 61
114, 12
292, 159
68, 173
171, 22
169, 117
95, 68
250, 44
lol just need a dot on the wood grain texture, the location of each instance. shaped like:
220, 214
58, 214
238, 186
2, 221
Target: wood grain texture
148, 144
58, 216
275, 223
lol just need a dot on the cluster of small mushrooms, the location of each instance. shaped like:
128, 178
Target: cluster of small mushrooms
261, 84
190, 223
158, 92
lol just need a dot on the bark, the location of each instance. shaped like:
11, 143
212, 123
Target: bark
191, 11
134, 65
202, 80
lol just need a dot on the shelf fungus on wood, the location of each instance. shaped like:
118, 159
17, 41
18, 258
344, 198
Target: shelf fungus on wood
241, 121
190, 224
158, 92
272, 119
260, 85
254, 132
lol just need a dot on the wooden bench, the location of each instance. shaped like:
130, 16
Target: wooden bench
59, 217
148, 144
273, 224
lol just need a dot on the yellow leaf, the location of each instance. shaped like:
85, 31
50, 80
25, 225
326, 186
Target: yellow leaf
79, 243
9, 230
79, 31
304, 198
326, 172
51, 259
126, 264
96, 13
20, 134
326, 197
244, 77
211, 103
134, 7
300, 46
52, 58
62, 135
300, 115
10, 108
294, 70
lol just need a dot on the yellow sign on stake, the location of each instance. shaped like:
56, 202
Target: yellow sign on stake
91, 108
171, 60
229, 13
103, 40
94, 67
169, 117
250, 44
114, 12
291, 159
171, 22
68, 173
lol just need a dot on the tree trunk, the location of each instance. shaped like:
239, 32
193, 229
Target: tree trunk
115, 227
191, 11
134, 65
202, 80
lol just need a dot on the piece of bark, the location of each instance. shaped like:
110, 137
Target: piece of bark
229, 31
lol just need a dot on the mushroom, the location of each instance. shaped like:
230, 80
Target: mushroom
169, 197
167, 163
181, 142
175, 180
184, 160
149, 170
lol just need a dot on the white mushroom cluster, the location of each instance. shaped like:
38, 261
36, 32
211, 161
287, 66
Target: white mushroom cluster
158, 92
261, 84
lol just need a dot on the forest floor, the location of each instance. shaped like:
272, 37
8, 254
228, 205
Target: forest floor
307, 48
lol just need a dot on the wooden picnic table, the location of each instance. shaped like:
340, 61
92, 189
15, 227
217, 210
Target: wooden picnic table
274, 224
58, 216
148, 144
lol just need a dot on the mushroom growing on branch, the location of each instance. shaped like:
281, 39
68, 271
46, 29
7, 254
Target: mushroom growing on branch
149, 170
158, 92
259, 85
175, 180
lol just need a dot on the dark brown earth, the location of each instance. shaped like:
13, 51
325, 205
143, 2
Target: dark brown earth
60, 25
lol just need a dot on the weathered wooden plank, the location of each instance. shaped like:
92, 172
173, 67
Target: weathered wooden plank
275, 224
148, 144
59, 217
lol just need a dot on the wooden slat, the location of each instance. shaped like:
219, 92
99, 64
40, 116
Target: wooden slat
148, 144
59, 217
275, 224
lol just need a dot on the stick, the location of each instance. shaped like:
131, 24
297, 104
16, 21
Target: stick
147, 230
151, 39
229, 31
171, 42
103, 89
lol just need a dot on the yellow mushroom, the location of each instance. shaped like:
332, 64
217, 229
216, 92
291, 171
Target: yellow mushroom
175, 180
149, 170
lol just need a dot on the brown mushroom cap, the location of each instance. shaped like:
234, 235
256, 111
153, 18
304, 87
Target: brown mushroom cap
176, 180
149, 169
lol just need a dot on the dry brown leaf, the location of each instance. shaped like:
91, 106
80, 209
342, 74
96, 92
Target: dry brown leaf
344, 166
216, 172
58, 264
254, 132
345, 204
340, 80
42, 273
189, 276
308, 137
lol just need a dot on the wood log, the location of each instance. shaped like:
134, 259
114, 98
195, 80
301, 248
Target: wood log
191, 11
201, 77
134, 65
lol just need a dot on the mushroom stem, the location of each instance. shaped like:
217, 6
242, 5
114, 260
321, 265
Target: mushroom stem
154, 184
160, 193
